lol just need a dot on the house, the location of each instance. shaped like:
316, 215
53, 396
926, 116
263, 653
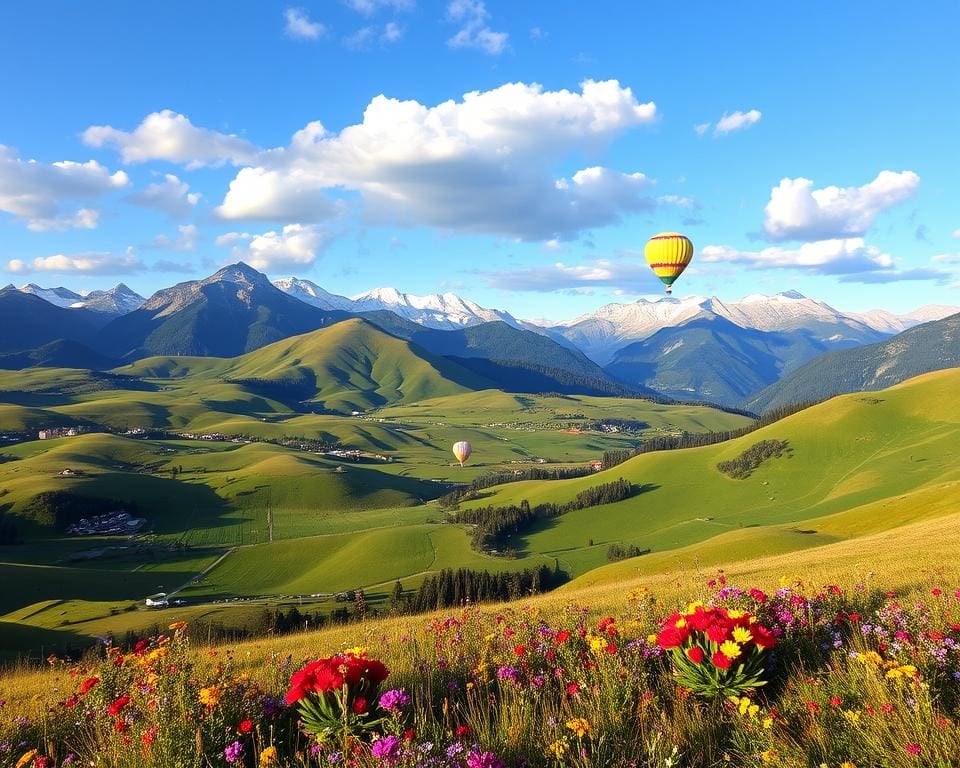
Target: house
596, 466
67, 472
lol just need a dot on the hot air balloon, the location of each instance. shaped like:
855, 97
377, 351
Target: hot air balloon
667, 255
462, 451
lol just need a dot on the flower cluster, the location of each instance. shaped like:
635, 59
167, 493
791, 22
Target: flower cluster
716, 651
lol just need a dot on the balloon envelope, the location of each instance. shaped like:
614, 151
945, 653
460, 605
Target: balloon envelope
668, 254
462, 451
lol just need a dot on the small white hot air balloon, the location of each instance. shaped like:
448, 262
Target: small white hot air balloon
462, 451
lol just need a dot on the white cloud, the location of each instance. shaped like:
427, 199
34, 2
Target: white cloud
296, 247
824, 257
680, 201
474, 32
701, 128
186, 239
169, 136
392, 32
736, 121
90, 263
361, 39
265, 195
797, 211
369, 7
482, 164
299, 26
171, 196
599, 273
36, 192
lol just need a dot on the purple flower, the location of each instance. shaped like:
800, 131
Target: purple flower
508, 673
387, 749
234, 752
484, 760
394, 700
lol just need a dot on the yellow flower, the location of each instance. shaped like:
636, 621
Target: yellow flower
851, 715
558, 749
210, 696
893, 674
651, 639
848, 764
692, 607
742, 635
767, 723
908, 670
156, 654
597, 643
681, 622
730, 649
358, 651
580, 726
736, 613
768, 755
178, 626
268, 756
27, 757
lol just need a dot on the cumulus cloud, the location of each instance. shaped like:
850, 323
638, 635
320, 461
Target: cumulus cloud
171, 196
89, 263
295, 247
940, 276
170, 136
37, 193
299, 26
482, 164
797, 211
185, 239
736, 121
599, 273
261, 194
474, 32
823, 257
365, 37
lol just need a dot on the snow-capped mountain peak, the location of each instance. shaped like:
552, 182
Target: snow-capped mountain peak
444, 311
60, 297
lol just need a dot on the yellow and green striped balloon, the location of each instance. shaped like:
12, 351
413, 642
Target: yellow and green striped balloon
667, 255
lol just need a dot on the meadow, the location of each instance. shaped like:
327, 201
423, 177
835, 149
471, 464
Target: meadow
864, 672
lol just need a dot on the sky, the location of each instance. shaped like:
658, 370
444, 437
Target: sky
519, 154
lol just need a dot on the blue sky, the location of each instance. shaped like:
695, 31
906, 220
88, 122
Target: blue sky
810, 146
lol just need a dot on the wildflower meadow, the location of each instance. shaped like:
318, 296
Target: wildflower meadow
800, 676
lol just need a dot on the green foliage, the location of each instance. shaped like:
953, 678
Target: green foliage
59, 509
751, 459
616, 552
458, 587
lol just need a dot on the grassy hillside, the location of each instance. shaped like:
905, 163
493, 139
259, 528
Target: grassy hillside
852, 454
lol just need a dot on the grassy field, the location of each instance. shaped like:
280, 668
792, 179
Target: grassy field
203, 498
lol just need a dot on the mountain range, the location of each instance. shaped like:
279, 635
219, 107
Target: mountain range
694, 348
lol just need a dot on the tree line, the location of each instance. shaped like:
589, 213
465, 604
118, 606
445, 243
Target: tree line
744, 465
617, 552
494, 524
456, 587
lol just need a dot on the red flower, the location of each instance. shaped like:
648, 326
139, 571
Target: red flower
721, 661
762, 637
462, 730
359, 705
718, 633
408, 735
520, 650
813, 707
43, 762
913, 749
71, 702
672, 636
118, 705
561, 637
835, 701
87, 685
695, 654
149, 736
573, 688
140, 647
120, 725
245, 726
